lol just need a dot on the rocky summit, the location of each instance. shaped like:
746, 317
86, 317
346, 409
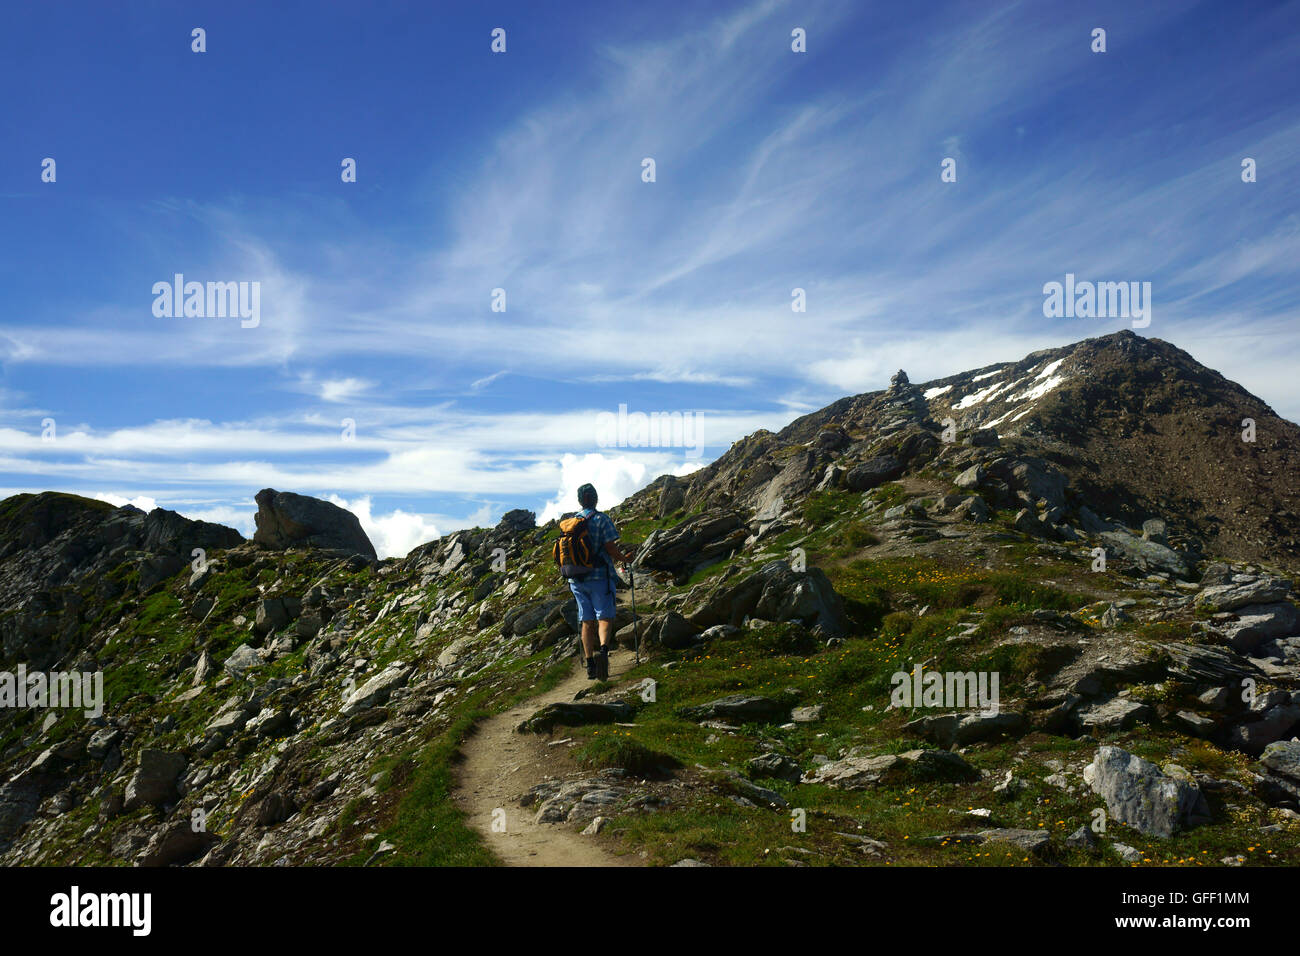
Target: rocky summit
1041, 612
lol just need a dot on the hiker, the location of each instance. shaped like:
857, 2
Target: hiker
586, 553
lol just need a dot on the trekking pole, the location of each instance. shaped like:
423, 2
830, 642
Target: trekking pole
636, 621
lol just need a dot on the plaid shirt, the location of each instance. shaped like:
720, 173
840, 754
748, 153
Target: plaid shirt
600, 529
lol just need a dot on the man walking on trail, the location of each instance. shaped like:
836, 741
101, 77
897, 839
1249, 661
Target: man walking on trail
595, 592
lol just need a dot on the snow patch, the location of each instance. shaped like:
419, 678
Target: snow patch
1050, 369
996, 371
976, 397
1041, 389
936, 392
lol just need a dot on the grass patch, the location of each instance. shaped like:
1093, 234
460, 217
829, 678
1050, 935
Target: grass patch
616, 748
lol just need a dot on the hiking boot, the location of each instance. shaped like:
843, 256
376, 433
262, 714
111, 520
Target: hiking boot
602, 662
593, 669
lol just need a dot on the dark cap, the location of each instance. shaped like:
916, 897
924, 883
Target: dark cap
587, 496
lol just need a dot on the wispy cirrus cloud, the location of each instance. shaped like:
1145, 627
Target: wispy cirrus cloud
775, 171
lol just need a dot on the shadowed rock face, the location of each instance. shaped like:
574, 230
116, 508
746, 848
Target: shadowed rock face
287, 520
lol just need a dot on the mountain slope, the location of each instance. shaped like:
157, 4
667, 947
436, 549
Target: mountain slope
276, 701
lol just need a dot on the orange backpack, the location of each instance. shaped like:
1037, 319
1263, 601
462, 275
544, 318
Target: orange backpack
573, 551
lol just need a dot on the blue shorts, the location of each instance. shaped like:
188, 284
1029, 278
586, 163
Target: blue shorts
595, 597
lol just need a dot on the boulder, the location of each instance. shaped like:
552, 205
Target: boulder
1147, 555
1115, 715
856, 772
576, 714
1279, 779
695, 541
1092, 524
1238, 594
1283, 758
775, 766
376, 690
276, 613
288, 520
777, 593
832, 478
517, 521
831, 438
1203, 663
168, 531
457, 649
154, 780
1216, 574
176, 844
873, 473
523, 618
1027, 841
958, 730
1275, 724
797, 477
677, 633
243, 660
1139, 794
102, 741
741, 709
1154, 529
1026, 522
1257, 623
1083, 839
973, 509
752, 791
1194, 724
672, 496
155, 568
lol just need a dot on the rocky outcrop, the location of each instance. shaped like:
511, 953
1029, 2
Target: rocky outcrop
776, 592
694, 542
288, 520
855, 772
59, 552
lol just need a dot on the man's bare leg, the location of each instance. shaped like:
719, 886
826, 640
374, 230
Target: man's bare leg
607, 634
589, 638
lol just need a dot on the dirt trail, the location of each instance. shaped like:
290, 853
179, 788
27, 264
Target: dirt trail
499, 765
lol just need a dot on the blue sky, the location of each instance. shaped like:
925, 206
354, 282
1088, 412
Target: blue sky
522, 171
